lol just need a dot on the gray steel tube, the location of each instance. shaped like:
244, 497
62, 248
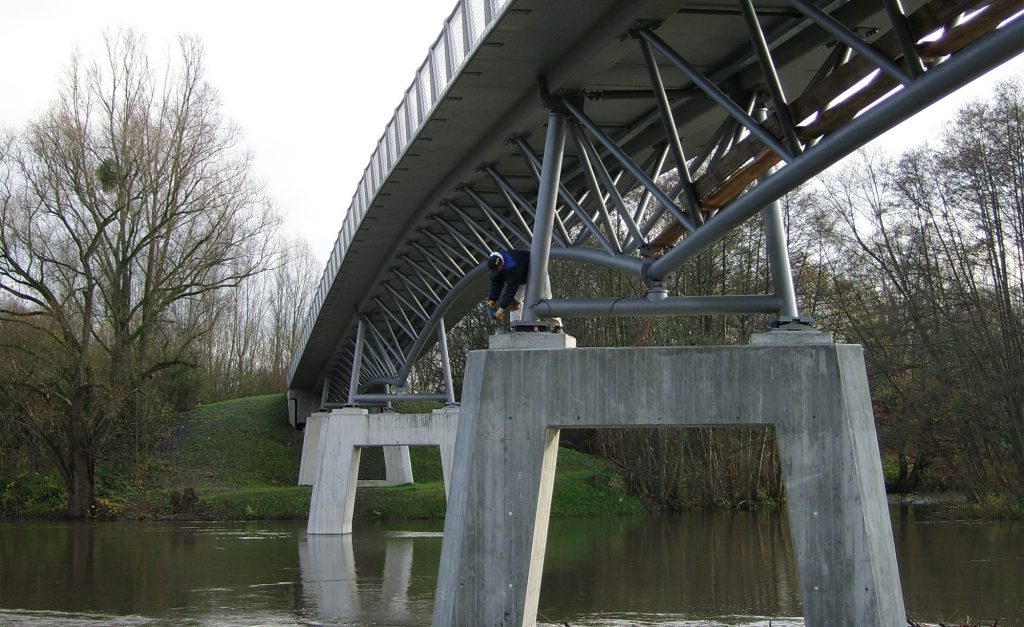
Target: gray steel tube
671, 306
446, 364
544, 222
357, 362
778, 252
388, 398
993, 49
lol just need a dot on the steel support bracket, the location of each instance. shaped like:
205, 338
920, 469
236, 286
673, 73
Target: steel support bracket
802, 321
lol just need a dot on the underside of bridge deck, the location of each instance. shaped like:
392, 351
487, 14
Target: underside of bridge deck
724, 93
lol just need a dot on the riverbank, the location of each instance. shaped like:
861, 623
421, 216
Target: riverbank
239, 460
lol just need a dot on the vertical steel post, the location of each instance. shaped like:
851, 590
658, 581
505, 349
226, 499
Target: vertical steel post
544, 221
778, 252
446, 364
357, 363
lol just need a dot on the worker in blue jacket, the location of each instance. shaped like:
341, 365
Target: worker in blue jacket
509, 272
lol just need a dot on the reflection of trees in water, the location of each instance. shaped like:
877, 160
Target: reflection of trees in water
695, 564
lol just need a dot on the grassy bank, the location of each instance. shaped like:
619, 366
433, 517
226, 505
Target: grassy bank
239, 460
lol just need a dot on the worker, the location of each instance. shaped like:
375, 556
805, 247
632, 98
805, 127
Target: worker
509, 272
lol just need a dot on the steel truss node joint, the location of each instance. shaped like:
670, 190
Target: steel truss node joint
639, 25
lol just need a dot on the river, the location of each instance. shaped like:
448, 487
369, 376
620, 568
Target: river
686, 569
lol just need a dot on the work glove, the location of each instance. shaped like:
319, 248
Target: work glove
500, 314
493, 304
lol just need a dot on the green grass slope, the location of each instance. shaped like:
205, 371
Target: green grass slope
242, 459
245, 442
239, 460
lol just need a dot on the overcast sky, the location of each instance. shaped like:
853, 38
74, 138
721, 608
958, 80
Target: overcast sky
311, 83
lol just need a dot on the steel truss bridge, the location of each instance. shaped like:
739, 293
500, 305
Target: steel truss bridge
544, 125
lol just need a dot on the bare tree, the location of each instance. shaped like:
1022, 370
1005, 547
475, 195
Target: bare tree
931, 254
123, 207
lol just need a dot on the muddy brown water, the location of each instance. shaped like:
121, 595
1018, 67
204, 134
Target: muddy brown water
687, 569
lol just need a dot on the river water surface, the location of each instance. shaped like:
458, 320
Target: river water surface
687, 569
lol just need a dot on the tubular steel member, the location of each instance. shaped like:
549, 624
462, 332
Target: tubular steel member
672, 134
669, 306
357, 363
544, 223
778, 254
716, 94
446, 365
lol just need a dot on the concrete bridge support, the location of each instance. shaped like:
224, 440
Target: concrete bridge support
515, 402
343, 434
397, 464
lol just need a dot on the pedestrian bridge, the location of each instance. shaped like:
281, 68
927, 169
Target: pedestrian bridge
545, 125
632, 135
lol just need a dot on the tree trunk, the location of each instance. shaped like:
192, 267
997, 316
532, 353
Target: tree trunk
81, 489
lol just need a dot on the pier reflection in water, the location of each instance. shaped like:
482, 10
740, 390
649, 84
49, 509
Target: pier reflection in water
380, 589
691, 569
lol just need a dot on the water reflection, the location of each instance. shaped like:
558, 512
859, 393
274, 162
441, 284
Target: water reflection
376, 576
335, 590
328, 568
691, 569
697, 566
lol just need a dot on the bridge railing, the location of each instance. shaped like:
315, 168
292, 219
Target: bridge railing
460, 37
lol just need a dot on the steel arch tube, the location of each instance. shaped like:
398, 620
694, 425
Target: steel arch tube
962, 68
431, 325
621, 263
671, 306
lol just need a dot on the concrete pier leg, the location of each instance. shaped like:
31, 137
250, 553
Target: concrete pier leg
815, 393
334, 490
310, 461
446, 442
497, 517
397, 465
838, 512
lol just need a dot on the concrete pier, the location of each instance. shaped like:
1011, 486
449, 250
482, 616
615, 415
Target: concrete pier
343, 434
515, 403
397, 463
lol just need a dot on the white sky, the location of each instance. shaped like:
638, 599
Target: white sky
312, 83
